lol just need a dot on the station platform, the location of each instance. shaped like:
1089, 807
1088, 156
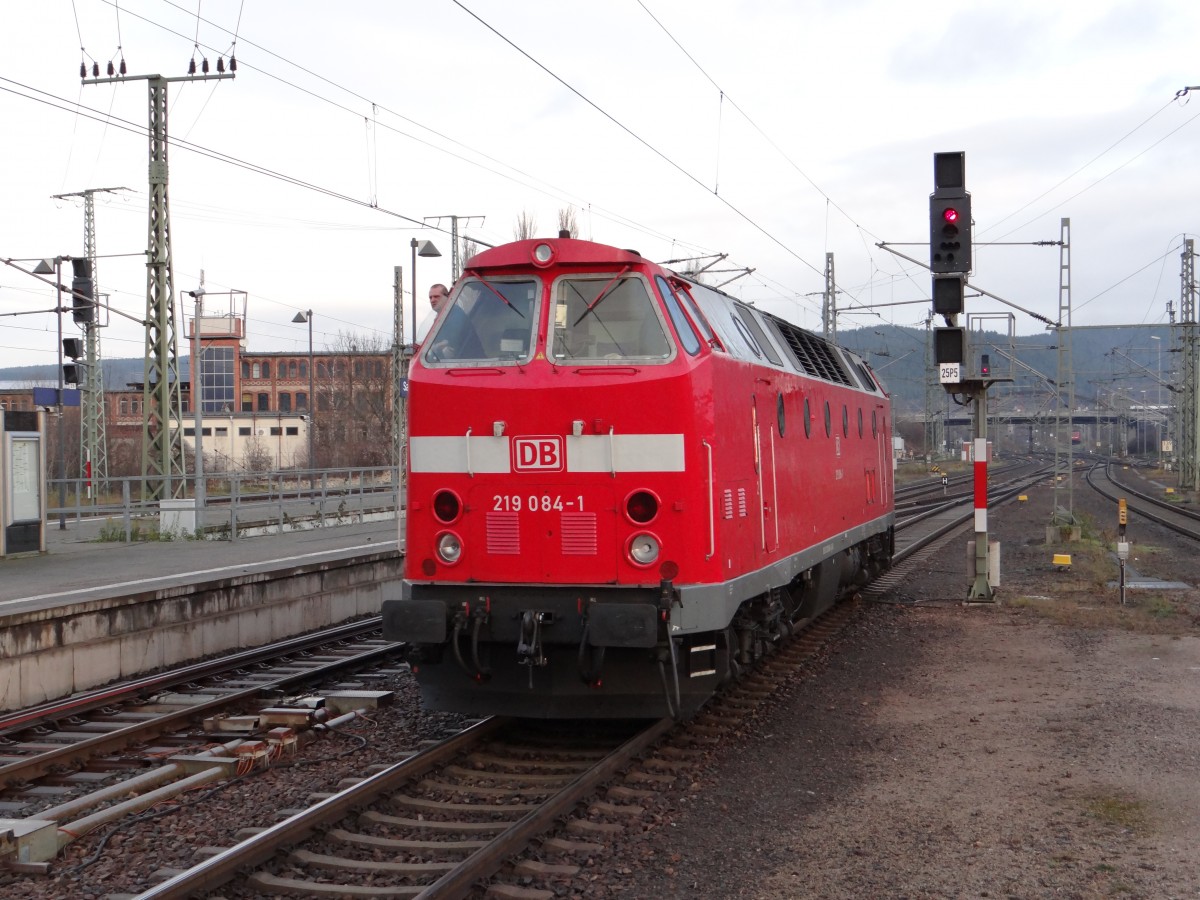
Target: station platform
77, 567
86, 613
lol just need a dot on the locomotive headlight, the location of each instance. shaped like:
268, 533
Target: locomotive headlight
641, 507
449, 548
643, 549
446, 506
543, 255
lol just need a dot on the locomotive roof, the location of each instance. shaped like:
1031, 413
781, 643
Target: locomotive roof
807, 351
567, 251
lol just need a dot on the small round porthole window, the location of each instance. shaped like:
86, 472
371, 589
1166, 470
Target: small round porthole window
860, 421
828, 421
807, 419
845, 421
874, 424
779, 413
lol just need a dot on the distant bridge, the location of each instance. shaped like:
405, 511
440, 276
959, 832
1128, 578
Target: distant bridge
1079, 418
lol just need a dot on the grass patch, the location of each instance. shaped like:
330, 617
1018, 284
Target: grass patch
1120, 812
1157, 606
1143, 614
141, 531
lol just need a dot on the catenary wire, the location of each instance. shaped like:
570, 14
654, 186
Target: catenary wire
629, 131
531, 182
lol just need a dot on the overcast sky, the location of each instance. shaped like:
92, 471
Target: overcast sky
775, 131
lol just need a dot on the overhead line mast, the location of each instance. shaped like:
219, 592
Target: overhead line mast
162, 445
1064, 390
455, 261
92, 423
1189, 415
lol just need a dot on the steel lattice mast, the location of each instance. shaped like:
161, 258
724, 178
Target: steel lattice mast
92, 422
1189, 414
162, 398
455, 260
1064, 457
829, 302
162, 445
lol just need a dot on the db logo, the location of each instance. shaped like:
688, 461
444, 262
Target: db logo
538, 454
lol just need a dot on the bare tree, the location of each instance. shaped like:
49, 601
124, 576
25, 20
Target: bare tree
354, 407
525, 227
256, 457
469, 249
568, 222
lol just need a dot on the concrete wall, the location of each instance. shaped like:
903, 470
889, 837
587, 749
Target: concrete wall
49, 654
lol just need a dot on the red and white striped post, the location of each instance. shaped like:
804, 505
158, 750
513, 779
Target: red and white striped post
981, 588
981, 479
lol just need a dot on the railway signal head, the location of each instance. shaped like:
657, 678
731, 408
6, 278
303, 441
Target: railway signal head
948, 296
949, 345
83, 300
950, 234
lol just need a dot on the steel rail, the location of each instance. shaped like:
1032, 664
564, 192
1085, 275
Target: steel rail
258, 849
90, 700
517, 836
958, 521
1156, 502
113, 741
1141, 510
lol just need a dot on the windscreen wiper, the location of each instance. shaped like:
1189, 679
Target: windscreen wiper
488, 285
604, 293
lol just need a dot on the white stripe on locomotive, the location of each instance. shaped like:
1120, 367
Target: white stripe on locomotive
585, 453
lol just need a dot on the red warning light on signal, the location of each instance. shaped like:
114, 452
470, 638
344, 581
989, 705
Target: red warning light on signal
950, 215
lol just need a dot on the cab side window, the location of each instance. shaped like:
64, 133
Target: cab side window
687, 335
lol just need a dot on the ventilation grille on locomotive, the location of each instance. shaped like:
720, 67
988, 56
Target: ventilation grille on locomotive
812, 354
578, 534
503, 534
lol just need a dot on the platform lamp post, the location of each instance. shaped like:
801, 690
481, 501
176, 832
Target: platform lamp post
197, 373
1160, 417
419, 248
301, 317
427, 250
1144, 423
54, 267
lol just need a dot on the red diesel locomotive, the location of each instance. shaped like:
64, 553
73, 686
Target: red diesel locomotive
624, 486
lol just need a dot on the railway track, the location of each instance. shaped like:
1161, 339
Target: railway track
456, 811
1179, 519
445, 821
446, 816
948, 514
63, 759
507, 808
916, 499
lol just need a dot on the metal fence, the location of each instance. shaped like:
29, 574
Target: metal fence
236, 504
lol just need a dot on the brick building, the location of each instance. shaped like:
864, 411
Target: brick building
256, 408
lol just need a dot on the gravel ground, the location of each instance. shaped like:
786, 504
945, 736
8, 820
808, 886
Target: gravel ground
127, 859
1048, 746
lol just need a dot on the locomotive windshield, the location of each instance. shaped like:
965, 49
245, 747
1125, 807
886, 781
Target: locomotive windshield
607, 317
488, 321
